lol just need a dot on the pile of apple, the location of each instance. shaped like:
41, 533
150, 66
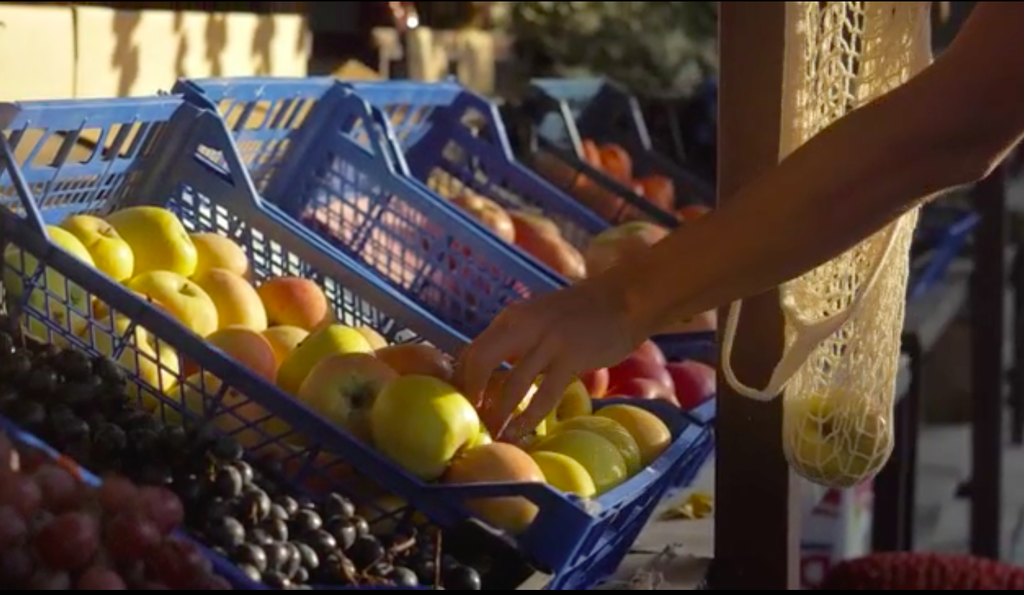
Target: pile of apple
646, 374
615, 162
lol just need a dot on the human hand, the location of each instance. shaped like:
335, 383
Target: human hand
555, 335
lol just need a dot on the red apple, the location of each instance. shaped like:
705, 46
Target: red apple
694, 382
645, 389
596, 382
639, 367
650, 350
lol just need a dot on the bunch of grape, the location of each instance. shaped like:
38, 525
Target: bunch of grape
59, 534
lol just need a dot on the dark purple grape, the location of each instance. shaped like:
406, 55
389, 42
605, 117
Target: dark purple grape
275, 529
226, 449
226, 532
305, 521
462, 578
337, 506
278, 512
228, 483
403, 578
277, 556
254, 505
362, 527
290, 506
68, 429
109, 442
301, 576
108, 371
43, 382
252, 555
344, 532
366, 552
250, 572
276, 580
245, 470
294, 560
17, 367
30, 415
310, 559
73, 365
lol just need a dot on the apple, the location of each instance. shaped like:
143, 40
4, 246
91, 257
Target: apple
237, 415
595, 453
635, 366
284, 340
836, 440
651, 434
613, 432
158, 240
694, 382
498, 463
487, 212
422, 423
623, 241
147, 358
650, 350
335, 339
418, 358
565, 474
215, 251
292, 301
110, 253
596, 382
185, 300
52, 296
343, 388
377, 341
644, 389
529, 225
236, 300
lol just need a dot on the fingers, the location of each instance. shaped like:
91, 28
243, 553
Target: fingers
483, 356
545, 400
518, 383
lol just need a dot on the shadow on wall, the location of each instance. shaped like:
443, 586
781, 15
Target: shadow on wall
179, 58
261, 40
126, 52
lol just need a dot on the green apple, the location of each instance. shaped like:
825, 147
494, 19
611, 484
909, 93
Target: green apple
53, 295
110, 253
422, 423
157, 238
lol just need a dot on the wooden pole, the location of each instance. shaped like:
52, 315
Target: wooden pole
757, 496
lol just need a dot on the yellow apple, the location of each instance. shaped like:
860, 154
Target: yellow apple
185, 300
576, 402
284, 340
565, 474
376, 340
214, 251
110, 253
154, 362
597, 455
52, 295
613, 432
651, 434
336, 339
422, 423
157, 238
836, 441
236, 300
482, 439
343, 389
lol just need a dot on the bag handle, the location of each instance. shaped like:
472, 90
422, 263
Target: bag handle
806, 336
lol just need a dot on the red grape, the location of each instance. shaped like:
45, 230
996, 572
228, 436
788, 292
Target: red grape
7, 453
16, 567
30, 459
100, 579
21, 493
118, 494
59, 488
69, 541
155, 586
210, 582
47, 580
177, 563
130, 536
163, 507
12, 527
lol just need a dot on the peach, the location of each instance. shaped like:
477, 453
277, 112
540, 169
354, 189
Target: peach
292, 301
417, 358
217, 252
245, 345
236, 300
556, 253
284, 340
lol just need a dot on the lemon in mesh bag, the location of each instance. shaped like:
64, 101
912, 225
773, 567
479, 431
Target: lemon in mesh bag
843, 320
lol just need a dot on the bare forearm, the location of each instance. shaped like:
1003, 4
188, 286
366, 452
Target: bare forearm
844, 184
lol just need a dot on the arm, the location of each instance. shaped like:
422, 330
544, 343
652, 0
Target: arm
950, 125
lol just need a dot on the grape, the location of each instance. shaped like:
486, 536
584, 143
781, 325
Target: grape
163, 507
12, 527
16, 567
59, 488
176, 563
20, 493
46, 580
6, 452
155, 586
118, 494
130, 536
69, 541
210, 583
101, 579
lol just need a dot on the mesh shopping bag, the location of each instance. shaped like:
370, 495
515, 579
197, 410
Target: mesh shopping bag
843, 320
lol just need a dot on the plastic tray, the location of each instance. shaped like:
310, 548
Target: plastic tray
941, 236
605, 112
165, 151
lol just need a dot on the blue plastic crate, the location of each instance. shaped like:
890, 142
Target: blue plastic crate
165, 151
221, 566
943, 240
606, 112
562, 164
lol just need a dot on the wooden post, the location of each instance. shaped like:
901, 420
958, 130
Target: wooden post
757, 496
